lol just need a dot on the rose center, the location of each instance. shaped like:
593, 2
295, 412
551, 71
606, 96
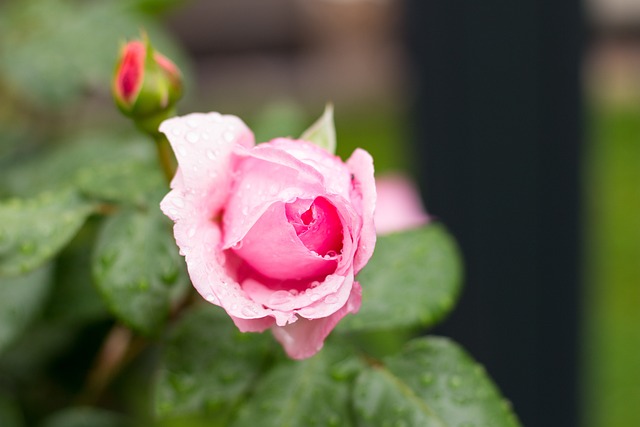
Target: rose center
317, 225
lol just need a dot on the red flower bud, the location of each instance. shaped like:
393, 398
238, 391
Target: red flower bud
146, 83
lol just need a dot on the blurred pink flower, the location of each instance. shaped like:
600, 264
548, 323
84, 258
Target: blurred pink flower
273, 233
398, 206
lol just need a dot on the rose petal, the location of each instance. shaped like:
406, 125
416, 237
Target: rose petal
253, 325
317, 225
202, 144
399, 206
305, 337
320, 300
335, 174
364, 191
273, 249
265, 175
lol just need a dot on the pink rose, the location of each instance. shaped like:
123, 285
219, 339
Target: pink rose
273, 233
399, 206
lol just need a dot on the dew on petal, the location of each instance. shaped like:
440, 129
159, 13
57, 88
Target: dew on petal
228, 136
211, 155
280, 298
192, 137
212, 299
178, 202
331, 299
193, 122
249, 311
315, 295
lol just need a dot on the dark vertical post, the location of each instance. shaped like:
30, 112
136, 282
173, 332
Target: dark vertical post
497, 129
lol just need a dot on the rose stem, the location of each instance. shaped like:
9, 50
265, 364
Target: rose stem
119, 347
165, 155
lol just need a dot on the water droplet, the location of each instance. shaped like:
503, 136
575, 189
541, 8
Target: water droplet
237, 245
333, 420
426, 378
193, 122
178, 202
27, 248
228, 377
294, 292
460, 400
192, 232
107, 259
182, 151
211, 155
249, 311
280, 298
193, 137
455, 381
331, 299
170, 275
212, 299
176, 131
315, 295
228, 136
245, 210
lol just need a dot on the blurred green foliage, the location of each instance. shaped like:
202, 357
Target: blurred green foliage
612, 268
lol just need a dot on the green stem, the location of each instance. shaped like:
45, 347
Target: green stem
165, 155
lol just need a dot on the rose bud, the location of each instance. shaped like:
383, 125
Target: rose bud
273, 233
146, 84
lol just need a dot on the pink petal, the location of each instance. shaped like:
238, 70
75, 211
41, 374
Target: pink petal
202, 144
363, 193
273, 249
399, 206
320, 300
317, 225
335, 174
253, 325
265, 175
305, 337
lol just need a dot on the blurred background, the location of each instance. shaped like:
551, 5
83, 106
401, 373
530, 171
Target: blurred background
521, 123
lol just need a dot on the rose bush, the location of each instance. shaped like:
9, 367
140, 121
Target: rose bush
273, 233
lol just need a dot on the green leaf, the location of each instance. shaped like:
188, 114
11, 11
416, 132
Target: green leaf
312, 392
323, 131
34, 230
10, 415
21, 299
208, 365
86, 417
72, 285
87, 160
413, 279
432, 383
137, 268
129, 181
